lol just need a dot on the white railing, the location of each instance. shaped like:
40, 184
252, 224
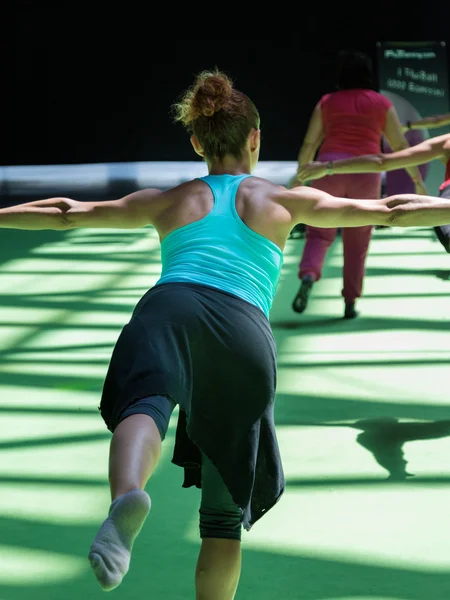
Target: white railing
54, 179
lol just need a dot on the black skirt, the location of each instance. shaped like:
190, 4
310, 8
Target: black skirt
214, 354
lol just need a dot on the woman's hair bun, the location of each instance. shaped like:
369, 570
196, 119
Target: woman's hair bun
211, 91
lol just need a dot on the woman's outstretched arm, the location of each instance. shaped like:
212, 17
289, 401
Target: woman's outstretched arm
428, 122
130, 212
319, 209
426, 151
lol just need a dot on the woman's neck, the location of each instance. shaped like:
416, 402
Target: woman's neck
229, 166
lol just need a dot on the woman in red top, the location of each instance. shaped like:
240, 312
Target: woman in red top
347, 123
428, 150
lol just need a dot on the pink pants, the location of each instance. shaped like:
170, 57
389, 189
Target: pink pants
355, 239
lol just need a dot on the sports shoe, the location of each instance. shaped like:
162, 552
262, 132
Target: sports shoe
350, 311
301, 299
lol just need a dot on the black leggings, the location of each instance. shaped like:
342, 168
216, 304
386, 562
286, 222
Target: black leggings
219, 515
443, 231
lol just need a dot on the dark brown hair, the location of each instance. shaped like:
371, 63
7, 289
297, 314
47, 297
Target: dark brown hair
354, 70
218, 115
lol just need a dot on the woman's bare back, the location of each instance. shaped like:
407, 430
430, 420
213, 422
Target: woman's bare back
256, 205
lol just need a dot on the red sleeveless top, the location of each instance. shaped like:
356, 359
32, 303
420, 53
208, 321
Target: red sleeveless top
447, 177
353, 121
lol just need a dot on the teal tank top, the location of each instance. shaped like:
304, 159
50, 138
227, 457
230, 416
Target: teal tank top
220, 251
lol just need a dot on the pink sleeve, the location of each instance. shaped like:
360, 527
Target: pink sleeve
323, 100
385, 103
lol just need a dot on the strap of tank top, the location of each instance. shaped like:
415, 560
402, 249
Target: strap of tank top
224, 189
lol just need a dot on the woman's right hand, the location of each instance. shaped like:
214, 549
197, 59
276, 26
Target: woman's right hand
312, 170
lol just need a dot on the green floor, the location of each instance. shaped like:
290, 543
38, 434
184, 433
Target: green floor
342, 531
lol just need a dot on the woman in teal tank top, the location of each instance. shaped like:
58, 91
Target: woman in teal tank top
201, 338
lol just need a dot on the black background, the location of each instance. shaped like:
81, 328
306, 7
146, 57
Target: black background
85, 88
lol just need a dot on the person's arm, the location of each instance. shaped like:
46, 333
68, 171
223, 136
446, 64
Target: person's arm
313, 137
319, 209
397, 141
130, 212
428, 122
426, 151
